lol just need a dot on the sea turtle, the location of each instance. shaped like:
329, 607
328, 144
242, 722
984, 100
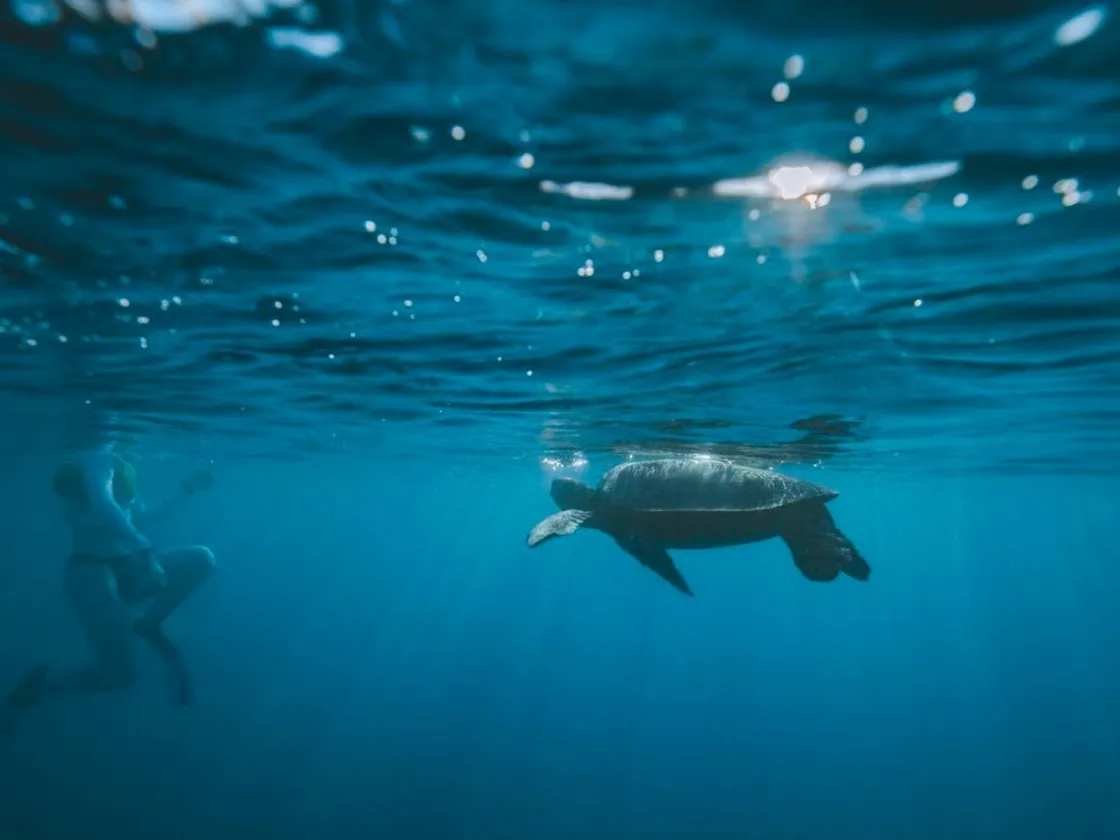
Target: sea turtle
651, 506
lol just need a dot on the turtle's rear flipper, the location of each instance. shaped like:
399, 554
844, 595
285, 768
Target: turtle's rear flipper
657, 560
820, 551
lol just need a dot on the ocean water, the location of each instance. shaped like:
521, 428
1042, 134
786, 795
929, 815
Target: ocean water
387, 269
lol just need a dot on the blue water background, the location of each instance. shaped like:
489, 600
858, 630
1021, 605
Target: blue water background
379, 655
190, 258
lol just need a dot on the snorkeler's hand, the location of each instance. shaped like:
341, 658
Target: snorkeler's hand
201, 480
156, 571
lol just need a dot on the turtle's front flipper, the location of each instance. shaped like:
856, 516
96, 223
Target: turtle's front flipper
656, 560
558, 525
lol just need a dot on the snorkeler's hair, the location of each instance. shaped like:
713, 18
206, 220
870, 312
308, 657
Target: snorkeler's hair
69, 482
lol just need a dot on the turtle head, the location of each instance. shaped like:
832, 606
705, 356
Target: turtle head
570, 494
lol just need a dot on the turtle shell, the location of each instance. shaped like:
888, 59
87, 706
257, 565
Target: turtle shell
698, 484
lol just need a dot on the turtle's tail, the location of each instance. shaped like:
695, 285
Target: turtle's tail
820, 551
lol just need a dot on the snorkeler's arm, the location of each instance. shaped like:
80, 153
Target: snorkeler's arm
98, 467
150, 515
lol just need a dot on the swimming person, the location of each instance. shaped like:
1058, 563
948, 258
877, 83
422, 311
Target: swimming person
111, 568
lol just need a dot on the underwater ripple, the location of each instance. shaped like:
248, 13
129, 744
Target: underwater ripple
626, 230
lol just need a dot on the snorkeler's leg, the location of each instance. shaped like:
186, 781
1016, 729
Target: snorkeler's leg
92, 593
25, 695
186, 569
